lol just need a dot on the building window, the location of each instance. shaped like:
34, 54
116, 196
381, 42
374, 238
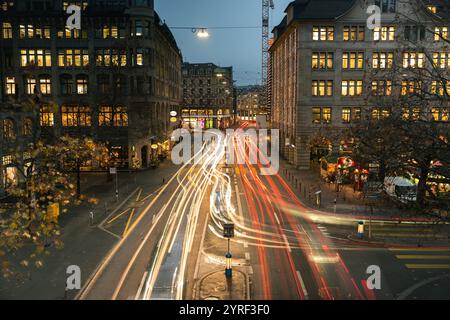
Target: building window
30, 31
351, 88
45, 85
351, 114
322, 60
323, 33
82, 4
103, 84
440, 33
354, 33
46, 116
73, 58
346, 115
440, 88
111, 57
66, 84
382, 87
76, 116
414, 33
142, 28
120, 117
413, 60
321, 115
35, 57
9, 130
27, 128
30, 85
82, 84
411, 87
72, 34
109, 116
380, 113
441, 60
386, 6
382, 60
384, 33
7, 30
322, 88
140, 57
353, 60
11, 86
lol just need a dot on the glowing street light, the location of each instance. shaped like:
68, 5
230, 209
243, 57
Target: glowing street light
202, 33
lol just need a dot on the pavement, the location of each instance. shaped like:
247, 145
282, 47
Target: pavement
85, 245
216, 286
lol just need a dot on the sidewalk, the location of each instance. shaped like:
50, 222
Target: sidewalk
84, 244
215, 286
305, 183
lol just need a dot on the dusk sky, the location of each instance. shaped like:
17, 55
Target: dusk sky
240, 48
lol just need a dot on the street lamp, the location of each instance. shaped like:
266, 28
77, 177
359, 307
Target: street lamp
202, 33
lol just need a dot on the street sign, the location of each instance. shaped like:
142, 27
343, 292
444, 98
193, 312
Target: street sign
113, 170
228, 230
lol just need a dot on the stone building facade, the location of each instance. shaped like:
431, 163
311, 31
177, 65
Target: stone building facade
208, 96
115, 80
323, 61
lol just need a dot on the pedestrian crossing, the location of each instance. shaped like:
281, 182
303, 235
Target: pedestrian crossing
409, 231
423, 258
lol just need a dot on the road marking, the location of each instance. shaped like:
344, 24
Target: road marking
302, 283
138, 294
409, 235
422, 257
428, 266
250, 270
421, 249
404, 295
247, 256
118, 216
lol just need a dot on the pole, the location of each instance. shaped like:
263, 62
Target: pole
117, 185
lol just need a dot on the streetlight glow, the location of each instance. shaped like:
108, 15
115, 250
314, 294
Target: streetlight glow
203, 33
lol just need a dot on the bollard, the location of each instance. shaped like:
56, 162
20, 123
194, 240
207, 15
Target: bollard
360, 230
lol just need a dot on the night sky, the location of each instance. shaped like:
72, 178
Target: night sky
240, 48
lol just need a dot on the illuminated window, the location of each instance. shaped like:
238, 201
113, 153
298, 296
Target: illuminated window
321, 115
120, 117
384, 33
353, 60
11, 86
111, 57
82, 84
440, 33
413, 60
7, 30
113, 116
382, 60
140, 57
30, 85
351, 88
354, 33
9, 130
45, 85
35, 57
380, 113
105, 116
76, 116
441, 60
30, 31
382, 87
46, 116
322, 88
73, 58
435, 114
440, 88
72, 34
323, 33
322, 60
82, 4
346, 115
411, 87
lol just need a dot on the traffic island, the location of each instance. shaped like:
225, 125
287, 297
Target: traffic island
216, 286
